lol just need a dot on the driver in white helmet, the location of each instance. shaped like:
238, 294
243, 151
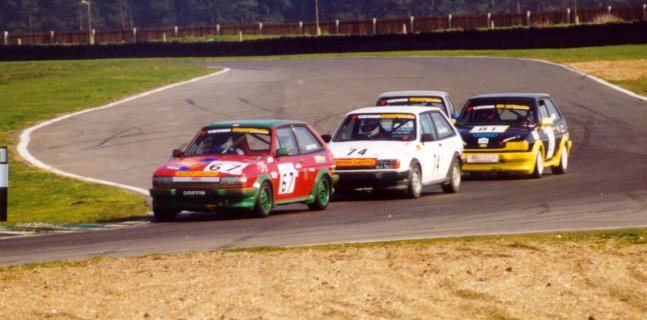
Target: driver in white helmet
371, 129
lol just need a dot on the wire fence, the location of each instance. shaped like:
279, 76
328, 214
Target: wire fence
364, 27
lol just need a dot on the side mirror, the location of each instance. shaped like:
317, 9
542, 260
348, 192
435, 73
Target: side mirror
427, 137
546, 122
326, 138
177, 153
282, 152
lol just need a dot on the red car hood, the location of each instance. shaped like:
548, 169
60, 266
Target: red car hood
198, 166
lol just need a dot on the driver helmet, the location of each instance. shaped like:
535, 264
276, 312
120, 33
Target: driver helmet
488, 114
370, 128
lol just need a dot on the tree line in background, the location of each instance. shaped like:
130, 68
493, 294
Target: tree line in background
67, 15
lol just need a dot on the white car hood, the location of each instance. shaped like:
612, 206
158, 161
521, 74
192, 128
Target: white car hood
372, 149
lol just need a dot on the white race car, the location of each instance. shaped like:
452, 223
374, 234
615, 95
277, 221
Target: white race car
397, 148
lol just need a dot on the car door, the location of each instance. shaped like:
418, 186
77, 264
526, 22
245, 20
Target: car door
559, 123
312, 158
445, 133
288, 183
430, 150
546, 133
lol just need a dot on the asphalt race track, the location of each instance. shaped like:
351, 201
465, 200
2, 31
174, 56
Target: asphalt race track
606, 186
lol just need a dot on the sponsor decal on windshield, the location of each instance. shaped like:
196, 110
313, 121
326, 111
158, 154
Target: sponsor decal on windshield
512, 106
219, 130
250, 130
386, 116
425, 99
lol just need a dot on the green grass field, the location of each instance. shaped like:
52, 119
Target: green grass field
35, 91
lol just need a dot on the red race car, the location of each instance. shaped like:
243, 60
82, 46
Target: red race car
250, 165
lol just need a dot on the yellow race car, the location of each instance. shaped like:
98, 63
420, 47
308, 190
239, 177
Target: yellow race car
520, 133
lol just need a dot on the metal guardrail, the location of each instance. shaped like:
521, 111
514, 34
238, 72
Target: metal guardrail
337, 27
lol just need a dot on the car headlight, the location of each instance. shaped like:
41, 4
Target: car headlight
388, 164
233, 180
162, 181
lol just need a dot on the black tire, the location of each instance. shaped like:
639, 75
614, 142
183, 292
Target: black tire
322, 195
264, 200
454, 175
539, 165
562, 167
164, 212
414, 188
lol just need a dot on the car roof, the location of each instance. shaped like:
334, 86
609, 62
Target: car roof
512, 95
256, 123
408, 93
395, 109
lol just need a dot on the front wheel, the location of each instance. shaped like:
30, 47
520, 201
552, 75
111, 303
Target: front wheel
563, 162
322, 195
414, 189
454, 183
539, 165
164, 212
264, 200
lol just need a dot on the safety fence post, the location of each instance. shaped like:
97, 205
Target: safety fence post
4, 182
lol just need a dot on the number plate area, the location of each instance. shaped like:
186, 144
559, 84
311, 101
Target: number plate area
483, 159
194, 193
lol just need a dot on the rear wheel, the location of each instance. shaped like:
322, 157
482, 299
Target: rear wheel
264, 200
563, 162
322, 195
539, 165
164, 212
414, 189
454, 183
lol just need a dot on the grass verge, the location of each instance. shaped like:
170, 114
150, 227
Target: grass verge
35, 91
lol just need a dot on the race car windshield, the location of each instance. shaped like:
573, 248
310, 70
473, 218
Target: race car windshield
385, 126
516, 113
429, 101
231, 141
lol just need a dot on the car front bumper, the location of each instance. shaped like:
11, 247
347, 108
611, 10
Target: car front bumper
514, 162
198, 199
381, 180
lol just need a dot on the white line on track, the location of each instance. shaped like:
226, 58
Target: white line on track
594, 78
25, 136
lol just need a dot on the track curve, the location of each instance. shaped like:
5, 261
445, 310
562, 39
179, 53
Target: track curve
606, 186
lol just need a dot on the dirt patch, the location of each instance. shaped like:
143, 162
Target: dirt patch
619, 70
500, 279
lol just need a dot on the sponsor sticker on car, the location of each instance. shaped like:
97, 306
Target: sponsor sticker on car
483, 159
356, 162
